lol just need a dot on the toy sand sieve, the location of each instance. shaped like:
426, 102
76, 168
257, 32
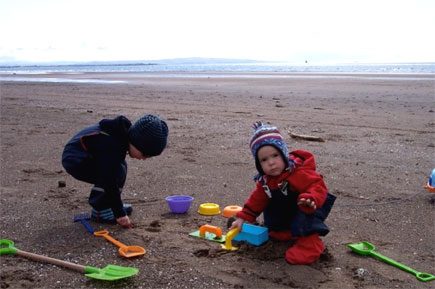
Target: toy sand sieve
209, 209
179, 204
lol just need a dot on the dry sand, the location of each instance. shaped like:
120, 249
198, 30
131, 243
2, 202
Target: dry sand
379, 133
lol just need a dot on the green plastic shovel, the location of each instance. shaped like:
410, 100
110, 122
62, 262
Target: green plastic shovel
366, 248
109, 273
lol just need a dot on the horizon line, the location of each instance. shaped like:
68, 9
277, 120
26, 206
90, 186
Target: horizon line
192, 60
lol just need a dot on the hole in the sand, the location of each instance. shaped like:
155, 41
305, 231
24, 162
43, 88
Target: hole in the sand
326, 257
151, 229
201, 253
155, 224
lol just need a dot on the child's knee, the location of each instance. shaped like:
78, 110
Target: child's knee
306, 250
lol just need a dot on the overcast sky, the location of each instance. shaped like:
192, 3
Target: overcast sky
287, 30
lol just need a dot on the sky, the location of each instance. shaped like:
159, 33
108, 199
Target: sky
334, 31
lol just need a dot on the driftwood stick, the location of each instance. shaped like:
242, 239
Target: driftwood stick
306, 137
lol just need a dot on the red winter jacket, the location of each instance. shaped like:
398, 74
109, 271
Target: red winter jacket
303, 179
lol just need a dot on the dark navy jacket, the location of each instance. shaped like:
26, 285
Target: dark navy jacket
97, 155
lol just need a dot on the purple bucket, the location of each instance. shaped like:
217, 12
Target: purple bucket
179, 204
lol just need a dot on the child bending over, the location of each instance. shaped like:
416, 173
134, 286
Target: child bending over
96, 155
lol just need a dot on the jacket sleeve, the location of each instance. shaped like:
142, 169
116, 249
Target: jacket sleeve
311, 186
255, 204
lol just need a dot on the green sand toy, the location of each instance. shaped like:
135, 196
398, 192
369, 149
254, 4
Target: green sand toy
209, 232
109, 273
366, 248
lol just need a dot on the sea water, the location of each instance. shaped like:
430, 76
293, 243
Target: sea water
390, 71
387, 68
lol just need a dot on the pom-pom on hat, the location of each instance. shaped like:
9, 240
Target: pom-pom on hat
267, 135
149, 135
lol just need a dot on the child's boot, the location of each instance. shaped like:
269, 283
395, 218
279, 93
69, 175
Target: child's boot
306, 250
107, 216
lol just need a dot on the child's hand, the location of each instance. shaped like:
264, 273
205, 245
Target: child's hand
307, 203
237, 224
124, 221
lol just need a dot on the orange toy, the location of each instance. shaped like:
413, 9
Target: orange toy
230, 211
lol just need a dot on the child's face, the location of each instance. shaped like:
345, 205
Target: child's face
135, 153
271, 160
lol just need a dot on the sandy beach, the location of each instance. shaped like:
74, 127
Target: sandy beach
377, 154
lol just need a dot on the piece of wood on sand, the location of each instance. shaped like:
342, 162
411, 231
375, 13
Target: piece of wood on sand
306, 137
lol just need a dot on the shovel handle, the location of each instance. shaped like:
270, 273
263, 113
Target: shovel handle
425, 277
211, 229
50, 260
106, 235
420, 276
87, 226
228, 240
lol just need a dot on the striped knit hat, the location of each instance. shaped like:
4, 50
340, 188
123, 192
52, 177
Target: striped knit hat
267, 135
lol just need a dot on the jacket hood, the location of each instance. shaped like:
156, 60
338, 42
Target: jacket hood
303, 157
117, 127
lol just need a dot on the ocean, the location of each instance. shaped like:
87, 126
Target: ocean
385, 68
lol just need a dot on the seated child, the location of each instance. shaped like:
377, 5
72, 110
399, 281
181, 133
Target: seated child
290, 193
96, 155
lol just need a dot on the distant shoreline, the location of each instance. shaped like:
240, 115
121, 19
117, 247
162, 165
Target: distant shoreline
246, 67
132, 77
210, 63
